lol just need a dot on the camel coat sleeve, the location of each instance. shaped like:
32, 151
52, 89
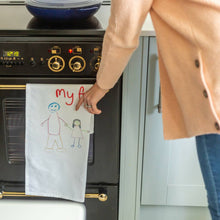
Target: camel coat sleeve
188, 40
121, 38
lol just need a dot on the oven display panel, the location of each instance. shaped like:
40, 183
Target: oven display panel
11, 53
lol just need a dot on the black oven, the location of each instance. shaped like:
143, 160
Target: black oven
57, 60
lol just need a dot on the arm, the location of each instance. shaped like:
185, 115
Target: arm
65, 123
121, 39
42, 123
85, 131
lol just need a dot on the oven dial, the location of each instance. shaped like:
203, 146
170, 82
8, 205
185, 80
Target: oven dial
95, 63
56, 63
77, 64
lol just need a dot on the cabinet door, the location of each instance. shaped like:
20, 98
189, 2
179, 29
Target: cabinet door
171, 173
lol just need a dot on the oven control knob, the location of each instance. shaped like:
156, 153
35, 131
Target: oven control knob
56, 63
42, 62
77, 64
95, 63
32, 62
97, 66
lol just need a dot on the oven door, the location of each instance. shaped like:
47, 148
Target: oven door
103, 162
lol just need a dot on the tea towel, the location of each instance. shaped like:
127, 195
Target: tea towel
57, 141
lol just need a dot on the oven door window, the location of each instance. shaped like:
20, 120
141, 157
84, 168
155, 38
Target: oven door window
14, 127
14, 130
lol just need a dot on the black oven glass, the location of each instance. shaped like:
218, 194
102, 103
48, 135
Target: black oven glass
14, 129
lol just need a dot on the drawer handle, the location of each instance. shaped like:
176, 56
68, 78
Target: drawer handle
12, 87
159, 107
101, 197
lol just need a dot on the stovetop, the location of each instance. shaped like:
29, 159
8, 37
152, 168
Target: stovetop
16, 20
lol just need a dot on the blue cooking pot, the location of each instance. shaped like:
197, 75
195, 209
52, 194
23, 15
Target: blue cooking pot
63, 10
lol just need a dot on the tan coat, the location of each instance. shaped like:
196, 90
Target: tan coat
188, 38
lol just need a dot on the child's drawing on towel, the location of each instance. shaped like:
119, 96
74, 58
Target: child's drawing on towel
76, 133
54, 127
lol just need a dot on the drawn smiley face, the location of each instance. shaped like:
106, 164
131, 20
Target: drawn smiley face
53, 107
77, 122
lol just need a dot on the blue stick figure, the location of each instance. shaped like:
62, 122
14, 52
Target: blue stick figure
54, 126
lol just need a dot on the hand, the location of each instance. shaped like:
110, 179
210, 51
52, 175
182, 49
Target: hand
92, 97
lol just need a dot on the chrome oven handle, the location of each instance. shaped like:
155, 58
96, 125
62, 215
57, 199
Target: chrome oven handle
12, 87
101, 197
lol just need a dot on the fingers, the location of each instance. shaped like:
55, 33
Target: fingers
91, 98
79, 102
88, 109
95, 109
92, 110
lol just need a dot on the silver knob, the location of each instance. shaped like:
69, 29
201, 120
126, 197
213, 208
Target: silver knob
56, 65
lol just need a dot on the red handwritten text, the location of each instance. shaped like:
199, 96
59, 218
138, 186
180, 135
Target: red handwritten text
59, 91
69, 95
81, 91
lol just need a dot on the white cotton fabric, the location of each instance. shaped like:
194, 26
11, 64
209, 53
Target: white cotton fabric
57, 141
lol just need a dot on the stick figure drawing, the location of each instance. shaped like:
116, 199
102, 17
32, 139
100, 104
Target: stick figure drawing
76, 132
54, 127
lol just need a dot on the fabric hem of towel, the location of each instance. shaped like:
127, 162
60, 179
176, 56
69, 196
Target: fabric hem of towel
54, 195
26, 141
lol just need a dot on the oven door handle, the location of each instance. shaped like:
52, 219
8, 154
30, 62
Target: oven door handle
101, 197
17, 87
12, 87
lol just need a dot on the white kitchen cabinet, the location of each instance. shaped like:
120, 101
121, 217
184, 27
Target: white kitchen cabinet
159, 180
171, 174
